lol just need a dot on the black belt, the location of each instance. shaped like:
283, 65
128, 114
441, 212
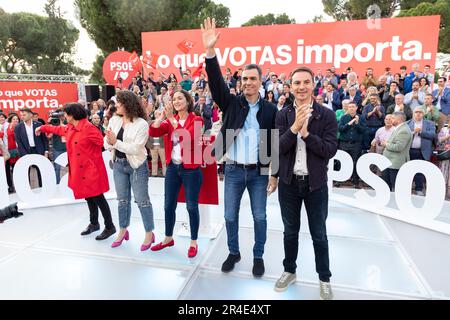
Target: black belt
244, 166
301, 177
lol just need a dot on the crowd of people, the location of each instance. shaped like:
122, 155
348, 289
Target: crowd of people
404, 116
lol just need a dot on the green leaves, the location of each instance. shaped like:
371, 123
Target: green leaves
269, 19
439, 7
114, 24
30, 43
357, 9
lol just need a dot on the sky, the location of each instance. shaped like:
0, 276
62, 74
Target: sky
241, 12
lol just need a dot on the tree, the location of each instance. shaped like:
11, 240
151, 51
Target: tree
357, 9
119, 23
114, 24
315, 19
31, 43
97, 68
439, 7
269, 19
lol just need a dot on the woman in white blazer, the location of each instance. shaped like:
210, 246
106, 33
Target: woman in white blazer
126, 137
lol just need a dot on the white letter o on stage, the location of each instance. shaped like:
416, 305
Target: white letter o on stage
22, 184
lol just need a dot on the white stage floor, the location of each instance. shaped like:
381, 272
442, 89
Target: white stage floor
42, 256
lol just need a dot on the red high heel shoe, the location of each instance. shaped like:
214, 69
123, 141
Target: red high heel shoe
145, 247
192, 252
116, 244
161, 245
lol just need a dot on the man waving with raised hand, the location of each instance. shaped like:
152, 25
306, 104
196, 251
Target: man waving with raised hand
246, 137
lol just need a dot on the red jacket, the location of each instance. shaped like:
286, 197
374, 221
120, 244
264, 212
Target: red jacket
195, 136
12, 144
87, 172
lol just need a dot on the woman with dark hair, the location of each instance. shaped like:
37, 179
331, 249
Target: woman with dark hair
87, 173
13, 121
270, 97
424, 85
183, 168
126, 137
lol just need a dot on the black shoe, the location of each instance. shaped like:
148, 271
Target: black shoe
258, 267
232, 259
90, 228
106, 234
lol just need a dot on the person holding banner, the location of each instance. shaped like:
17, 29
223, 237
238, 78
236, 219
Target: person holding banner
87, 173
183, 130
308, 140
250, 117
126, 137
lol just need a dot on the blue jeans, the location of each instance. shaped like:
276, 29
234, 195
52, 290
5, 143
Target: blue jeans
191, 179
237, 179
291, 198
125, 179
56, 154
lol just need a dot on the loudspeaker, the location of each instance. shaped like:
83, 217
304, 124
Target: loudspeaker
108, 91
92, 92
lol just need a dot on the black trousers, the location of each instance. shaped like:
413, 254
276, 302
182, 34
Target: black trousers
9, 172
291, 198
354, 150
419, 179
390, 176
33, 151
100, 202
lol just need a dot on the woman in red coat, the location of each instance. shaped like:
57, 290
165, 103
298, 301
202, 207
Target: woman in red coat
183, 164
87, 173
13, 121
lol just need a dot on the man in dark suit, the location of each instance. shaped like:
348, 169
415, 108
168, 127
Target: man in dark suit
205, 111
248, 150
308, 140
331, 98
355, 96
27, 141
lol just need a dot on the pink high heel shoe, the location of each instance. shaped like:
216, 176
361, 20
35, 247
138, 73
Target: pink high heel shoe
145, 247
116, 244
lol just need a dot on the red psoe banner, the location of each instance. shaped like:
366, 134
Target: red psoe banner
282, 48
120, 67
40, 97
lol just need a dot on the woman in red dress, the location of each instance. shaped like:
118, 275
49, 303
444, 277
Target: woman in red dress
13, 121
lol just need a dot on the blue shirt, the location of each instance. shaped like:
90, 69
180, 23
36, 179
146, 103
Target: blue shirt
245, 149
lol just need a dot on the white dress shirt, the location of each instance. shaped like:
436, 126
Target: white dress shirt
300, 166
30, 134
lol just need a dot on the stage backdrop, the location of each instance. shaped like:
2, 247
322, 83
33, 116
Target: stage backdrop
41, 97
359, 44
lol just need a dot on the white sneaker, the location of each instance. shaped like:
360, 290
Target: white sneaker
325, 291
285, 280
420, 193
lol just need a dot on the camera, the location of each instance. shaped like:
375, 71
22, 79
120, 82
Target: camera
11, 211
55, 118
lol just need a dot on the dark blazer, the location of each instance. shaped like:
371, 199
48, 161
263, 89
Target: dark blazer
321, 144
235, 110
207, 111
357, 100
336, 100
20, 134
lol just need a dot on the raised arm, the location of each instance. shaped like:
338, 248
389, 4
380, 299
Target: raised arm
219, 89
